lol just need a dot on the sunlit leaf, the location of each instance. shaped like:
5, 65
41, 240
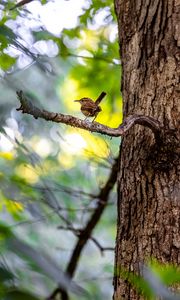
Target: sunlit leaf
6, 61
7, 155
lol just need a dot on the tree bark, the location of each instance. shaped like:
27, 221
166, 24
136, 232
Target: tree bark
149, 173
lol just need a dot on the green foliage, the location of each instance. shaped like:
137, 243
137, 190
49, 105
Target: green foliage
169, 273
7, 34
6, 61
159, 276
5, 275
19, 295
138, 282
5, 231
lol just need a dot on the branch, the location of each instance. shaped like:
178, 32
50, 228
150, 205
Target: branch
77, 232
101, 248
21, 3
28, 108
85, 233
105, 59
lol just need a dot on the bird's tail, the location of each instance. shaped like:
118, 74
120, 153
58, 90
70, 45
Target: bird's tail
99, 99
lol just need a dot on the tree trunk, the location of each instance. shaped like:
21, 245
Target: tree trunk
149, 172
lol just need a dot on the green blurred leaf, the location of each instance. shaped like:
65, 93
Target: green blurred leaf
169, 274
5, 274
5, 231
138, 282
6, 61
6, 31
42, 35
3, 42
19, 295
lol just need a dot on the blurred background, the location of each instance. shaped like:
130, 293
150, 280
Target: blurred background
50, 174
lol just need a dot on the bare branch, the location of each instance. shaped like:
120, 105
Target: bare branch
28, 108
21, 3
101, 248
115, 62
77, 232
86, 233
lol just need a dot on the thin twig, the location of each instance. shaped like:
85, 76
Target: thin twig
77, 232
105, 59
21, 3
101, 248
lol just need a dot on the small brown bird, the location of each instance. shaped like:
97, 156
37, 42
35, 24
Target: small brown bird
90, 108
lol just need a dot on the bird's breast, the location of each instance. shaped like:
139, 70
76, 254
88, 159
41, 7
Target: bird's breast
90, 111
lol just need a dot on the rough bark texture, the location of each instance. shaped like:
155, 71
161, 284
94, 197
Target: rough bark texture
149, 174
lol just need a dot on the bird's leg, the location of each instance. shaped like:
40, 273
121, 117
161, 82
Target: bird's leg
95, 115
94, 118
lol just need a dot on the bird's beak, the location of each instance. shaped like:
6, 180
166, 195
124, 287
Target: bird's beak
76, 100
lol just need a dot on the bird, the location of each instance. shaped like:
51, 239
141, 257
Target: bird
91, 108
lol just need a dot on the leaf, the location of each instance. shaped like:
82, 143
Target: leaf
169, 274
138, 282
5, 231
42, 35
7, 155
6, 61
19, 295
157, 286
5, 274
3, 43
7, 32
